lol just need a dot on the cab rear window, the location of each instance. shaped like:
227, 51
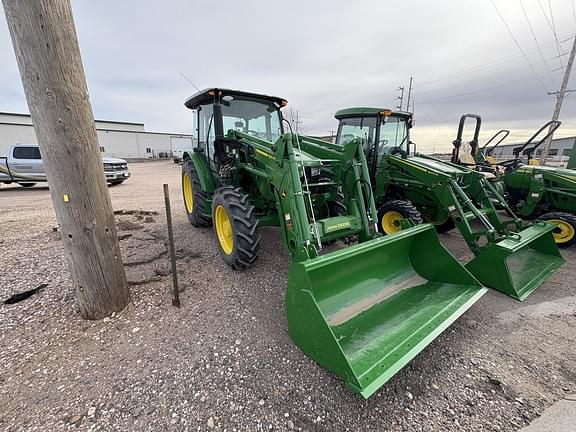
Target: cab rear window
27, 153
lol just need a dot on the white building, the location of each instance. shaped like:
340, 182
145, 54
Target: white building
560, 148
117, 139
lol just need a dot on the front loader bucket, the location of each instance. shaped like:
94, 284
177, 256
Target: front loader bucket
518, 265
365, 311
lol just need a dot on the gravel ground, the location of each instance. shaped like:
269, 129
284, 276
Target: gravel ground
224, 361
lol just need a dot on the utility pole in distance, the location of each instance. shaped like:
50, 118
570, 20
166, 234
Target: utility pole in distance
48, 56
409, 94
559, 100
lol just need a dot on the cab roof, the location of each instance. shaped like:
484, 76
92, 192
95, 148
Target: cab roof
207, 95
368, 112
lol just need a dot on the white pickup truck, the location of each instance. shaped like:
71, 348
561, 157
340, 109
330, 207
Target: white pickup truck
24, 166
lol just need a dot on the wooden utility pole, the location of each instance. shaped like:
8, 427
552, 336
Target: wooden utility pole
559, 100
49, 60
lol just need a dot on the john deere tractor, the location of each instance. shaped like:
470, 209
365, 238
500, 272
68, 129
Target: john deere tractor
511, 256
363, 311
533, 191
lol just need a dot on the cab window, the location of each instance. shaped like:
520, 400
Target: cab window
357, 127
258, 118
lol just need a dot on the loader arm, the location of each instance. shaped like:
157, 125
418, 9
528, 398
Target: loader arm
282, 165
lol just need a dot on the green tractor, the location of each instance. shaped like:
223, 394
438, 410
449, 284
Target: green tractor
533, 191
510, 255
363, 310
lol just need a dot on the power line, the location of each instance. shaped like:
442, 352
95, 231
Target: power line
518, 46
490, 64
536, 42
442, 89
554, 30
471, 71
569, 38
506, 84
552, 26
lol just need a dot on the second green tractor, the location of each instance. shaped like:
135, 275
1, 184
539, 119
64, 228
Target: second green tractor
510, 255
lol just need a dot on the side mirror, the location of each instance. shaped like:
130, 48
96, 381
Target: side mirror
411, 144
239, 124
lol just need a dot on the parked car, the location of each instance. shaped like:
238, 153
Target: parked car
24, 166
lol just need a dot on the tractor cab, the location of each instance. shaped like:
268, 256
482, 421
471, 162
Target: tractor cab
382, 131
217, 111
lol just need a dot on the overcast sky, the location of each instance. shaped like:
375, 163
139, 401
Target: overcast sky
322, 56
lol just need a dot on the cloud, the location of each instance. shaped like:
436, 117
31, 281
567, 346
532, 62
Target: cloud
321, 56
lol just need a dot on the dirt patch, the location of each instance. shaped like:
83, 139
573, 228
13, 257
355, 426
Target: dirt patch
224, 361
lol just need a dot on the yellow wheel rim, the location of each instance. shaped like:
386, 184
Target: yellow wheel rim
188, 195
224, 230
388, 222
564, 232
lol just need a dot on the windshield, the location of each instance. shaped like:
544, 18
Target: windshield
393, 134
357, 127
258, 118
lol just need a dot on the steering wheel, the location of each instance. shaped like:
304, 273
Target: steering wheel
400, 151
349, 137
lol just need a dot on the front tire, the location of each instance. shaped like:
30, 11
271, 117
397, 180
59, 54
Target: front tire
391, 213
194, 196
565, 231
236, 227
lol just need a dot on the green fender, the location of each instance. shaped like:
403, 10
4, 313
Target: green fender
202, 167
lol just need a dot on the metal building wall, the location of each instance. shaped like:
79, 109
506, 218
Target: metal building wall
117, 139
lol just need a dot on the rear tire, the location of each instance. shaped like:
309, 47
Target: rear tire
27, 185
194, 196
236, 227
565, 232
394, 211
